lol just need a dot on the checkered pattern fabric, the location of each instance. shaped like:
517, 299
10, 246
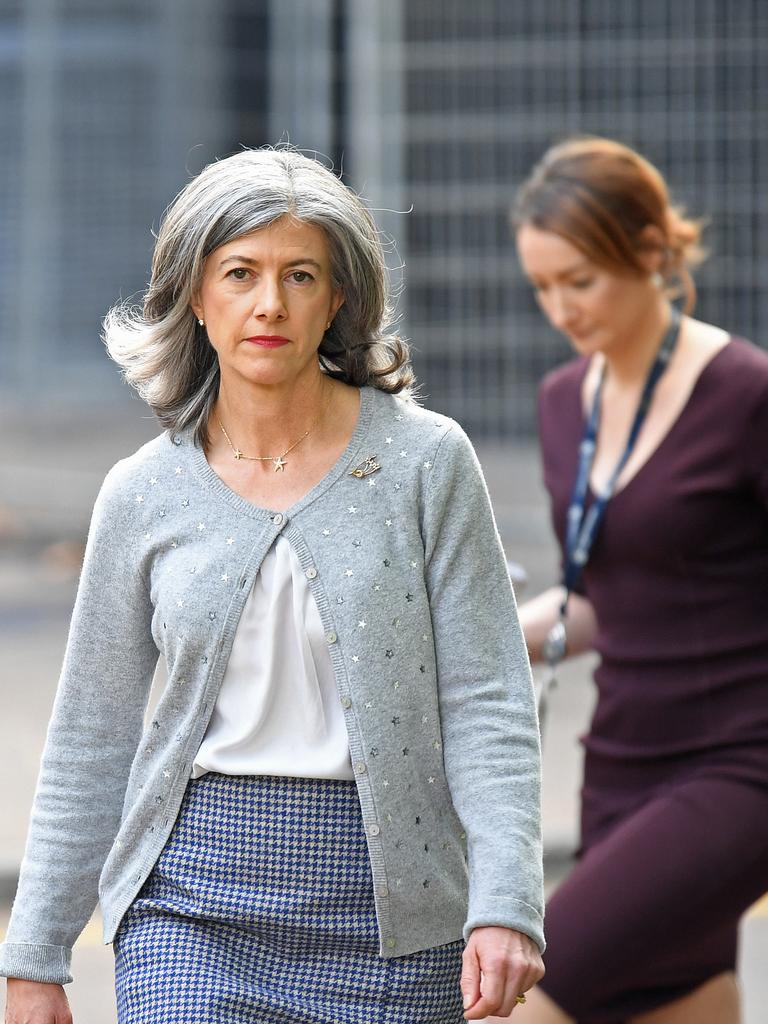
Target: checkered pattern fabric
260, 910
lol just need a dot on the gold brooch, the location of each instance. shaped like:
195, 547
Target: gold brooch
366, 468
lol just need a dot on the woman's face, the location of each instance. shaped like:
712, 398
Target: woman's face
595, 309
266, 299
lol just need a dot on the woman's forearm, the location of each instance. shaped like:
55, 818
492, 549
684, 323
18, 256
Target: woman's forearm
538, 615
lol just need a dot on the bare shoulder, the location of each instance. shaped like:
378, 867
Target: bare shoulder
703, 340
698, 345
744, 362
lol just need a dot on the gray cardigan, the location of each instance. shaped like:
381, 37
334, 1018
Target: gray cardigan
408, 574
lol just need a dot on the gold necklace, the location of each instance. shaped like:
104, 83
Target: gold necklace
279, 461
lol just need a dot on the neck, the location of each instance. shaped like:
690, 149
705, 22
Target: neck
627, 364
265, 420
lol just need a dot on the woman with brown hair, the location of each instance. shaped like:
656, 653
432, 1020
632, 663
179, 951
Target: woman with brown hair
653, 443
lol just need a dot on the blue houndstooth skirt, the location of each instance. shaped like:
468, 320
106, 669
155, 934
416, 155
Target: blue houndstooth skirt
260, 910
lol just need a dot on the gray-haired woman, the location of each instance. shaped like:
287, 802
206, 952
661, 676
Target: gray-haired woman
341, 775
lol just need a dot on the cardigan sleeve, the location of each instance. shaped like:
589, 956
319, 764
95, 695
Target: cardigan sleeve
93, 734
488, 717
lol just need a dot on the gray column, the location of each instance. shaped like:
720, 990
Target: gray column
373, 159
301, 74
193, 114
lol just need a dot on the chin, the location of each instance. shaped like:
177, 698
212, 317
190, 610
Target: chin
263, 376
584, 346
592, 343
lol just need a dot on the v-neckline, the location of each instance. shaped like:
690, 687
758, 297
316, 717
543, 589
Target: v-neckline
207, 475
672, 427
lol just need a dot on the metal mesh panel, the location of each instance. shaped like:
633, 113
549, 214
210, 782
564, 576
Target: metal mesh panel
441, 106
101, 119
488, 87
105, 242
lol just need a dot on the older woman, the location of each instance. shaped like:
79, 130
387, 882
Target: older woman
341, 775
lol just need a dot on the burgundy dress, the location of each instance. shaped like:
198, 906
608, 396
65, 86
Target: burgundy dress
675, 798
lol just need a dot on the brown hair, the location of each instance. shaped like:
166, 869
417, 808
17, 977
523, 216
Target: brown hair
600, 196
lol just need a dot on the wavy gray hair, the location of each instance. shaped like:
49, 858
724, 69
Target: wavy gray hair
163, 351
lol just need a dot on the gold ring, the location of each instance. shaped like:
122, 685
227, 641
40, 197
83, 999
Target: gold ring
520, 999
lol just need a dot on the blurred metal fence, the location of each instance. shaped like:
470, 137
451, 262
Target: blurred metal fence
103, 106
439, 107
489, 85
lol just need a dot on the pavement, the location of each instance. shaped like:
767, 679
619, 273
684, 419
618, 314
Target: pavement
51, 467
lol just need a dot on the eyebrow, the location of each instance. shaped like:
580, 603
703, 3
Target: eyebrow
576, 268
301, 261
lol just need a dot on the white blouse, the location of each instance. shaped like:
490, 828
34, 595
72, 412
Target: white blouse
278, 710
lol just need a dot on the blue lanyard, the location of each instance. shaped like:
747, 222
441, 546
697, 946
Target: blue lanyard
582, 526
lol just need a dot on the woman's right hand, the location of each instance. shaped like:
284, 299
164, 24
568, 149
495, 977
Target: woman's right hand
539, 615
36, 1002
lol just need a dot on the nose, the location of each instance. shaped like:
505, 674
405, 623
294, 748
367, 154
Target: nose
269, 306
559, 309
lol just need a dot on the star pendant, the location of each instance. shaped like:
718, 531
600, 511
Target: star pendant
279, 462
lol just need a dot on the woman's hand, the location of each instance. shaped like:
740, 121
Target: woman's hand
499, 964
36, 1002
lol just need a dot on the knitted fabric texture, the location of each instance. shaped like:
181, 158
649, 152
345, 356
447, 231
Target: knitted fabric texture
409, 577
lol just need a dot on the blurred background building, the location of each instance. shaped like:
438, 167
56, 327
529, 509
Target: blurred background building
433, 109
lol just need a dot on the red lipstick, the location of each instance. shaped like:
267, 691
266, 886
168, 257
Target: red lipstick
269, 340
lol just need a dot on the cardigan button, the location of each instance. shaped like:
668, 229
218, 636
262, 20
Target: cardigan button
391, 942
383, 891
277, 518
360, 769
311, 573
373, 830
331, 637
346, 702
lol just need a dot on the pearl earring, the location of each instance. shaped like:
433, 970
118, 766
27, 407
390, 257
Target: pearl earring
657, 280
201, 322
